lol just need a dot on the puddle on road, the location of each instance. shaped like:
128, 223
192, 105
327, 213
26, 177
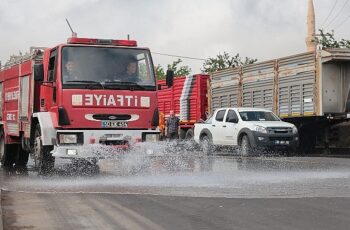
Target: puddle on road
165, 168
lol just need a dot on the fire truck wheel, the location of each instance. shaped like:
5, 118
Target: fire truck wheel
44, 161
21, 157
6, 151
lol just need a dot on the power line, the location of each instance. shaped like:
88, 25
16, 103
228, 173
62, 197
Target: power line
186, 57
340, 24
337, 15
329, 13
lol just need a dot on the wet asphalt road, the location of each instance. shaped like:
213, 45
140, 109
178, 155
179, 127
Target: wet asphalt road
183, 191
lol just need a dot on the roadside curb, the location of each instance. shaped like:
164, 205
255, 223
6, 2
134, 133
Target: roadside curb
1, 224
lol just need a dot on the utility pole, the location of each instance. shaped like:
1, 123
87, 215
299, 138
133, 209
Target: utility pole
311, 31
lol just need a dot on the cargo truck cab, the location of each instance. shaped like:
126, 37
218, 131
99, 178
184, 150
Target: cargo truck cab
82, 93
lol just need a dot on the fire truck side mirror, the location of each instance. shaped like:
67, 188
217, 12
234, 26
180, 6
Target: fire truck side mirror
169, 78
38, 72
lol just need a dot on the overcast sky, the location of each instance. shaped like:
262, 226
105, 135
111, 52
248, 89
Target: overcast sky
263, 29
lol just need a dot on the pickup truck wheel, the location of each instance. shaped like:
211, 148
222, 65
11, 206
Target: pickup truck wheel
206, 145
245, 146
7, 156
43, 159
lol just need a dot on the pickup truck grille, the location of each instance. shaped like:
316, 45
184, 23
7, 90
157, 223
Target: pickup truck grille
277, 130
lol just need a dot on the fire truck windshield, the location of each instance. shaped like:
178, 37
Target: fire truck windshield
107, 67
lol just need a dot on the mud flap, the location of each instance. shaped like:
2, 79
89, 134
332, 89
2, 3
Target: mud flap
347, 105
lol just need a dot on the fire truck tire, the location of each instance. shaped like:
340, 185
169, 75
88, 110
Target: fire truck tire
189, 134
44, 161
21, 156
7, 156
182, 134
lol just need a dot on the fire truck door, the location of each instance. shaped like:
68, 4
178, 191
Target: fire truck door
24, 102
24, 98
1, 107
50, 94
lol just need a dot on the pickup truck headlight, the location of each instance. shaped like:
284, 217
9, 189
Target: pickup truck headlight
260, 129
295, 130
68, 138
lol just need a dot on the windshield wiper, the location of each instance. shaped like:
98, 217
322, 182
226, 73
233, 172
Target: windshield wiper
88, 83
130, 84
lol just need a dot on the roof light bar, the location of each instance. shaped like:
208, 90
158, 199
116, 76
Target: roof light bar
94, 41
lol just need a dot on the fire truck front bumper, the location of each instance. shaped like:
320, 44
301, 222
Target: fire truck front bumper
99, 143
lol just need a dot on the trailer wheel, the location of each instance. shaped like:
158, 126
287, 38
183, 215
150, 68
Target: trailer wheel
7, 156
206, 145
189, 134
182, 134
43, 159
245, 147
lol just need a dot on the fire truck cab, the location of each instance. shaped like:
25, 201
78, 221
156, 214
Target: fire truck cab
54, 101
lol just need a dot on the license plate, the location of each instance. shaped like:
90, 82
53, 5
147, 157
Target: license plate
282, 142
114, 124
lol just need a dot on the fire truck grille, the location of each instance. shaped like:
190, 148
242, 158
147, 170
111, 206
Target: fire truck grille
104, 117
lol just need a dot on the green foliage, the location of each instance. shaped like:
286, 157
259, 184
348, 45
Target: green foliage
179, 70
327, 40
175, 66
160, 74
143, 70
224, 61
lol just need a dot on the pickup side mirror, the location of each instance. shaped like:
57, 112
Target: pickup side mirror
169, 78
38, 72
233, 120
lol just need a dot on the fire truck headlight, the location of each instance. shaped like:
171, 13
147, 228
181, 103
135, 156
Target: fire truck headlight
68, 138
152, 137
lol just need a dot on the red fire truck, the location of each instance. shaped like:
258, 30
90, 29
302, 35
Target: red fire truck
56, 100
188, 98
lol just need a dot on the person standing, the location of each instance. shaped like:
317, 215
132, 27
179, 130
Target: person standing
172, 126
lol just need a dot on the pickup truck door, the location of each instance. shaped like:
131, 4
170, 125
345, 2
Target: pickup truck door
230, 128
217, 127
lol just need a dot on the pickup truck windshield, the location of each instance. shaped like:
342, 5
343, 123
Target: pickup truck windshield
109, 67
258, 116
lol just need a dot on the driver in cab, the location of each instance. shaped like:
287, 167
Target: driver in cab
131, 71
70, 73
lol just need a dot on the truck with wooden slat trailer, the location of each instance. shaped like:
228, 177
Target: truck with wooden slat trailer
187, 98
310, 90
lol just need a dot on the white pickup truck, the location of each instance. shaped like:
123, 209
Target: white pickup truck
246, 128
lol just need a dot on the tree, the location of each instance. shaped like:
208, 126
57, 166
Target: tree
178, 70
160, 74
224, 61
327, 40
